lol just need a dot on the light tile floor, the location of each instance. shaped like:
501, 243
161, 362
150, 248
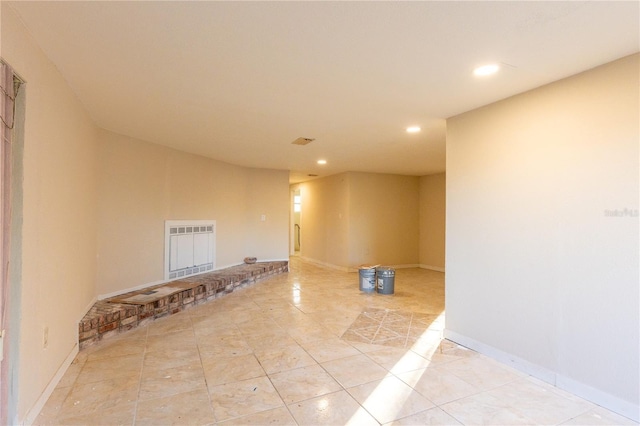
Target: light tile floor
306, 348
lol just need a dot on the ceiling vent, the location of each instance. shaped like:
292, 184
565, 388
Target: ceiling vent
302, 141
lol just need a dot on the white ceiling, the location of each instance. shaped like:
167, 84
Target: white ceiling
240, 81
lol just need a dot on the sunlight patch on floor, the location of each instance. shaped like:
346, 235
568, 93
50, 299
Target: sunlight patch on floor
394, 396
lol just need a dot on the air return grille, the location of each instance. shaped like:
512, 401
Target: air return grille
190, 247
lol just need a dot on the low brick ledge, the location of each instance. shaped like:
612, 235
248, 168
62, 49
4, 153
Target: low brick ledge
110, 317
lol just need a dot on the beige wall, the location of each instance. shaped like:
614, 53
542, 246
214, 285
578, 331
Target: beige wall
538, 273
58, 233
142, 184
267, 194
383, 219
89, 192
432, 221
324, 220
355, 218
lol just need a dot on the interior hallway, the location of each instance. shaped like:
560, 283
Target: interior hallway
306, 347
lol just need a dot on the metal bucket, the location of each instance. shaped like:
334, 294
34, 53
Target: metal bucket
386, 280
367, 279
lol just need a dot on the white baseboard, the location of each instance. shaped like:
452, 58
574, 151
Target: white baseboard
127, 290
601, 398
87, 308
325, 264
218, 268
432, 268
286, 259
405, 266
242, 263
608, 401
33, 413
151, 284
354, 269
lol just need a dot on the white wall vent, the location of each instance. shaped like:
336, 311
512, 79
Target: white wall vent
189, 247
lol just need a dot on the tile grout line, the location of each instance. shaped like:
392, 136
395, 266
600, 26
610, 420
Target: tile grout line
406, 340
373, 339
56, 417
311, 310
144, 354
204, 375
278, 392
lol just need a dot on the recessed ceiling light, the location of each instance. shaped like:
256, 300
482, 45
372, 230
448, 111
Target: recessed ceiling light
413, 129
486, 70
322, 161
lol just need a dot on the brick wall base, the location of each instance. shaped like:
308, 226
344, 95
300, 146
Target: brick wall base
109, 317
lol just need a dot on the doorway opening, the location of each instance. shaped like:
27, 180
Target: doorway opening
297, 229
12, 114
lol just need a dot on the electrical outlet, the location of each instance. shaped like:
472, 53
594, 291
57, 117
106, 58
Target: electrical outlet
45, 338
263, 217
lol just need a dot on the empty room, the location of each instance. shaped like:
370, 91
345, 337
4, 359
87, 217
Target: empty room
320, 213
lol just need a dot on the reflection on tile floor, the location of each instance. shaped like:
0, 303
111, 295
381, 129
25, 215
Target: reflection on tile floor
306, 348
